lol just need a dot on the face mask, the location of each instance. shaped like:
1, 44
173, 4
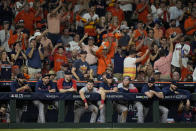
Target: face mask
67, 49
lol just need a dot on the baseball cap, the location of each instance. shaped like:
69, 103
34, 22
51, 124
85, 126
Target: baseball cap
172, 20
65, 65
109, 76
127, 77
31, 38
46, 75
68, 72
5, 22
124, 27
51, 72
174, 83
83, 52
157, 72
59, 41
158, 22
151, 80
90, 38
110, 35
21, 21
37, 34
20, 76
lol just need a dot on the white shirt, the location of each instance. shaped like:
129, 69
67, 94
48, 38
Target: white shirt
130, 67
129, 62
18, 5
194, 75
74, 46
184, 50
77, 8
175, 13
4, 40
88, 17
131, 86
126, 7
154, 12
85, 90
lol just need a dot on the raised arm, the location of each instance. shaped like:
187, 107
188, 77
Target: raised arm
143, 57
140, 45
56, 9
41, 53
30, 54
83, 38
171, 48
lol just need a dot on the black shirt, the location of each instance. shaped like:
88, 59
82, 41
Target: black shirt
81, 68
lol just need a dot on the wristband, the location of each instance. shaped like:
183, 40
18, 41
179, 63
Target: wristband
102, 101
85, 101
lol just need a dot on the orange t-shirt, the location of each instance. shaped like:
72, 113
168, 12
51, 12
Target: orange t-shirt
58, 61
29, 19
142, 15
27, 76
138, 33
143, 50
189, 23
112, 48
184, 73
170, 31
117, 12
13, 39
103, 62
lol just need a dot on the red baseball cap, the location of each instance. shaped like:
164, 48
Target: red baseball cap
110, 34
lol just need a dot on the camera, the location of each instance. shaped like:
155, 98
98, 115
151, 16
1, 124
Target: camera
173, 35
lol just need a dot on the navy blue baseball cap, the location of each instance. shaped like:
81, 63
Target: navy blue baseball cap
151, 80
6, 22
174, 83
20, 76
109, 76
59, 41
68, 72
45, 75
127, 77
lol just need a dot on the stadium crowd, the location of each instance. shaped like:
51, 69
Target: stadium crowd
113, 41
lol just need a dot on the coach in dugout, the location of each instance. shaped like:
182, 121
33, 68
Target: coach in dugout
122, 105
108, 86
20, 85
80, 107
181, 106
45, 85
67, 85
151, 91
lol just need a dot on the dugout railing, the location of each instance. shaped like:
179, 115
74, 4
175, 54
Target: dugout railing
12, 97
